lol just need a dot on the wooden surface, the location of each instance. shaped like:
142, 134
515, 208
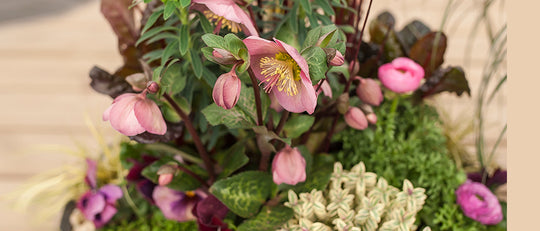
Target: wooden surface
44, 63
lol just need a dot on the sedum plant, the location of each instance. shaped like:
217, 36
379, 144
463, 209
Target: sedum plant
356, 200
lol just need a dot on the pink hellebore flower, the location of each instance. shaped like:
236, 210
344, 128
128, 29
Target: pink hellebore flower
479, 203
401, 75
132, 114
356, 118
284, 72
289, 166
227, 14
227, 90
177, 205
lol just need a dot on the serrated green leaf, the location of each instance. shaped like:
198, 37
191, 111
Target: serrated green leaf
297, 125
244, 193
316, 59
269, 219
183, 39
312, 37
232, 118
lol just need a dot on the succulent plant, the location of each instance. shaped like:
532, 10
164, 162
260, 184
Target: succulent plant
356, 200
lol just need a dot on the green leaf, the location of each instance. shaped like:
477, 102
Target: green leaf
297, 125
169, 51
312, 37
214, 41
316, 59
232, 118
205, 24
244, 193
173, 81
185, 3
325, 5
269, 219
293, 19
450, 79
152, 19
152, 32
184, 39
306, 5
196, 63
232, 159
170, 8
234, 44
246, 102
244, 55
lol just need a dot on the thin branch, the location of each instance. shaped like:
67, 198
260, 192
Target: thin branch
257, 96
282, 120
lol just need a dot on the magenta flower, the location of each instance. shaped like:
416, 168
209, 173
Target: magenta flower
356, 119
479, 203
132, 114
227, 90
98, 205
225, 13
176, 205
401, 75
369, 92
143, 185
284, 72
289, 166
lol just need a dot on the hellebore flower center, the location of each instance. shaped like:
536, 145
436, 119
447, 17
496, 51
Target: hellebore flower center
222, 22
282, 72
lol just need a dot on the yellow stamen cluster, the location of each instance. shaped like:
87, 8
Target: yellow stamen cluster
216, 20
281, 71
190, 193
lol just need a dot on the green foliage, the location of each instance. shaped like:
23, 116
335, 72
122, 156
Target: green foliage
408, 144
244, 193
156, 222
269, 219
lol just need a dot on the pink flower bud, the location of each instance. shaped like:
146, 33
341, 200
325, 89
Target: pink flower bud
401, 75
370, 92
165, 179
152, 87
371, 118
224, 57
227, 90
338, 60
356, 119
289, 166
132, 114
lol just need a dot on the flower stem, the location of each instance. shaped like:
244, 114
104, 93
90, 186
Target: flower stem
284, 117
194, 135
197, 177
257, 97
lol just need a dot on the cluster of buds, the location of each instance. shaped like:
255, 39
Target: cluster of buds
356, 200
370, 93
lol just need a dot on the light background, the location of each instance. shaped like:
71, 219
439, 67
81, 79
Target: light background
44, 92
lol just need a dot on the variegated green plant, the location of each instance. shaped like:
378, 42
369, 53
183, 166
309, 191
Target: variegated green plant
356, 200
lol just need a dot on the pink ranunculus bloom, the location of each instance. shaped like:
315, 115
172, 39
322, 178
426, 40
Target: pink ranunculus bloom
401, 75
289, 166
227, 14
284, 72
479, 203
356, 119
369, 92
132, 114
227, 90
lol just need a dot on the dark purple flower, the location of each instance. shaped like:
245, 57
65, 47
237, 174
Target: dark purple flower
498, 178
176, 205
479, 203
210, 213
143, 185
98, 206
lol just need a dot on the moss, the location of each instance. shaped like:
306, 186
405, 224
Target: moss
408, 143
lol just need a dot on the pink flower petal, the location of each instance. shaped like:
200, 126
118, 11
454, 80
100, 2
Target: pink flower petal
91, 204
305, 100
296, 56
107, 113
259, 46
289, 166
122, 116
112, 192
230, 11
105, 216
90, 177
149, 116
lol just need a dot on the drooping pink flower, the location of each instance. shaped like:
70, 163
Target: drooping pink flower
224, 57
356, 119
369, 92
284, 72
227, 14
401, 75
479, 203
289, 166
132, 114
227, 90
176, 205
